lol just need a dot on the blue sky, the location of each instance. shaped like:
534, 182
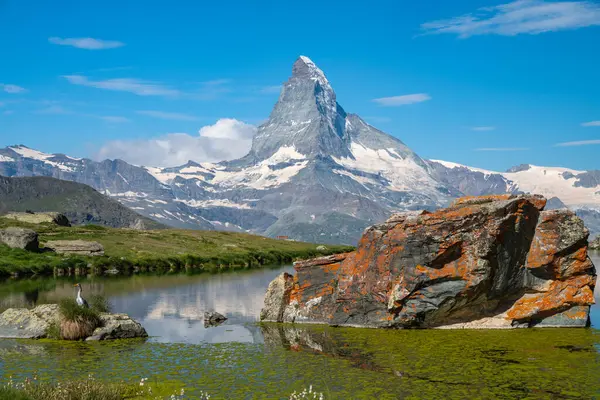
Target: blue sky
524, 73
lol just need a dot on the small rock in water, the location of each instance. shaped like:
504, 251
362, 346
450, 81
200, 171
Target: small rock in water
213, 318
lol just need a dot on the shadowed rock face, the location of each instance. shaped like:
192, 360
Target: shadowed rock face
484, 262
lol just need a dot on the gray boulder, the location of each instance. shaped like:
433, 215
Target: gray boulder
213, 318
20, 238
22, 323
595, 244
118, 326
79, 247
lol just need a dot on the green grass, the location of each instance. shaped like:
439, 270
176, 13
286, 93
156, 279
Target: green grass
165, 250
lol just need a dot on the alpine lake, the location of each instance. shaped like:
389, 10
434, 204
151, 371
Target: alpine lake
242, 359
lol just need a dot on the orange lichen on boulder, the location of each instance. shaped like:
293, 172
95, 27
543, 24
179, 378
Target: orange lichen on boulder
499, 258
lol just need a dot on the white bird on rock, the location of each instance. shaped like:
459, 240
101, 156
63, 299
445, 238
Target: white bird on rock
80, 300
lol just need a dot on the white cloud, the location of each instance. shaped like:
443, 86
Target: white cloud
483, 128
520, 17
591, 123
228, 128
402, 100
12, 89
578, 143
136, 86
114, 119
502, 149
86, 43
227, 139
168, 115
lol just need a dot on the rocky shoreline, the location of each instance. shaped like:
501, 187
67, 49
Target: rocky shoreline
485, 262
24, 323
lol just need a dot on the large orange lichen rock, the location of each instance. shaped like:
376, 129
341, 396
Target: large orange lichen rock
484, 262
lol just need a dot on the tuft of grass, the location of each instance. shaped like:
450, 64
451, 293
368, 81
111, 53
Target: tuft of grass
77, 322
99, 304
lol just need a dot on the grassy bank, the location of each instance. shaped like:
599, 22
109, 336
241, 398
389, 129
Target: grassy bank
170, 250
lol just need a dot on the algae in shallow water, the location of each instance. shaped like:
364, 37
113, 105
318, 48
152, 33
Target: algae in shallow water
341, 363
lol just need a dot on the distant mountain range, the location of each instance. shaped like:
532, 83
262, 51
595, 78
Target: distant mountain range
314, 173
80, 203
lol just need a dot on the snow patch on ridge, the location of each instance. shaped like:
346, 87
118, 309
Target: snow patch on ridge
6, 159
452, 165
402, 173
26, 152
213, 203
550, 182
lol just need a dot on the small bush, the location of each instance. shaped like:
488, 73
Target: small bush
76, 330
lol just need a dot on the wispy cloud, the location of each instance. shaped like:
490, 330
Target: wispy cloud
591, 123
86, 43
12, 89
577, 143
379, 120
270, 89
113, 119
111, 69
54, 110
402, 100
8, 112
483, 128
216, 82
519, 17
502, 149
168, 115
136, 86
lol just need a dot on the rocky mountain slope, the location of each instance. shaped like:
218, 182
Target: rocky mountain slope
314, 173
80, 203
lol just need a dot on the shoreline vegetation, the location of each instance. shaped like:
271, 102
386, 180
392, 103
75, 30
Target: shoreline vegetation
130, 251
92, 389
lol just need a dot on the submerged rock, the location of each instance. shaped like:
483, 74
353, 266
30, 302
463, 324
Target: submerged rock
19, 238
484, 262
80, 247
213, 318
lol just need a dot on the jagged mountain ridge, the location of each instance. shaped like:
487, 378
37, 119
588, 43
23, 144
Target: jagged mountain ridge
314, 172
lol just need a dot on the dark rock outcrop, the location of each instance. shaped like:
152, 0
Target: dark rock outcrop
80, 247
19, 238
39, 218
484, 262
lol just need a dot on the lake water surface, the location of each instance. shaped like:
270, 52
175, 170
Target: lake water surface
244, 360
